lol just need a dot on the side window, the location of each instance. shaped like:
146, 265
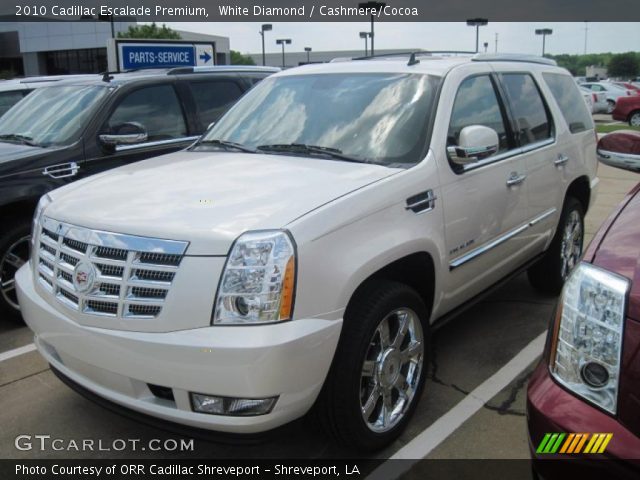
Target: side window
9, 99
574, 109
527, 107
476, 103
214, 98
156, 108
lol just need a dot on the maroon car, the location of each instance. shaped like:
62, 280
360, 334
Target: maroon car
627, 109
583, 400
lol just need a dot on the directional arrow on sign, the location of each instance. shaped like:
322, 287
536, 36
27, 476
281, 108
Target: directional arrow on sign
205, 57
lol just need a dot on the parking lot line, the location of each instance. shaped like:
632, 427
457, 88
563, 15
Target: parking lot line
17, 352
434, 435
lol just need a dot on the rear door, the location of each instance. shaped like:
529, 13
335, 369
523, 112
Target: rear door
212, 97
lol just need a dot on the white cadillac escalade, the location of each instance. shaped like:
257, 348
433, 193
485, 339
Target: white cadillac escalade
296, 257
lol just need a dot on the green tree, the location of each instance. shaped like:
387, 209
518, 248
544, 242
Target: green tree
150, 31
238, 58
624, 65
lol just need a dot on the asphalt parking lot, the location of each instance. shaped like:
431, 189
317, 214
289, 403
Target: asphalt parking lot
475, 389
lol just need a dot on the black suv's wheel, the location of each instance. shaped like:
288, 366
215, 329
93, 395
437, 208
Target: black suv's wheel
378, 370
634, 119
550, 273
14, 252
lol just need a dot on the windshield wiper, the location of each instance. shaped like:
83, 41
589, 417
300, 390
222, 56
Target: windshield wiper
24, 139
226, 145
311, 149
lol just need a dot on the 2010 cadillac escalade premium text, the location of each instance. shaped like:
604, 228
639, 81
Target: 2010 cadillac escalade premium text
297, 256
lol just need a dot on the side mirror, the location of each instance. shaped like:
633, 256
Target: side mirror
128, 133
477, 142
621, 149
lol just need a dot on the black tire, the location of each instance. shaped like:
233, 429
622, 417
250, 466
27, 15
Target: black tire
14, 251
611, 105
565, 251
339, 409
634, 119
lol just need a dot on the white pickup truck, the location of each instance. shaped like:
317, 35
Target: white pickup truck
296, 257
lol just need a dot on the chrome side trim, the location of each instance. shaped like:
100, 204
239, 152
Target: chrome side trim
542, 216
158, 143
467, 257
114, 240
509, 153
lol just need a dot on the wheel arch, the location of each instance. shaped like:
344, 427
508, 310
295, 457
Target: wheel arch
580, 189
416, 270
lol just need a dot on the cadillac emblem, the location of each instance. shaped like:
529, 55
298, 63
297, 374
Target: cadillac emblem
84, 276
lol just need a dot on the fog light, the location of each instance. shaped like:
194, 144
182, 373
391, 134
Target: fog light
237, 407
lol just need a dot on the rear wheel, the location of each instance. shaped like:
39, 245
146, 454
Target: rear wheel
378, 371
550, 273
14, 252
634, 119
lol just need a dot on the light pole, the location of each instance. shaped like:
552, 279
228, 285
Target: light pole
308, 50
486, 45
477, 22
544, 32
365, 35
265, 28
496, 42
586, 30
283, 42
374, 7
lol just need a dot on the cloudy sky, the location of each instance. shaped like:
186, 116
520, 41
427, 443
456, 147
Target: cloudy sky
512, 37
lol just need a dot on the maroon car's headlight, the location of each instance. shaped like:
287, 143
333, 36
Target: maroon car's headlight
587, 337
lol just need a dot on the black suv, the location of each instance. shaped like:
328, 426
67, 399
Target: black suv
79, 127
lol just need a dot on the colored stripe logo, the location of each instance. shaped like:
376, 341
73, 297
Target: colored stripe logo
572, 443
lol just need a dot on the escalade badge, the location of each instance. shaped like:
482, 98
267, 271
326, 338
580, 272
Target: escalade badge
84, 276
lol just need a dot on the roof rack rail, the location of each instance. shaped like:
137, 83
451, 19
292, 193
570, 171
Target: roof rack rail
513, 57
221, 68
415, 53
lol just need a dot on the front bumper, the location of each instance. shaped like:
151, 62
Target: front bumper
288, 360
552, 409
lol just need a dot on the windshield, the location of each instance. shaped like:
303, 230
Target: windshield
50, 116
377, 117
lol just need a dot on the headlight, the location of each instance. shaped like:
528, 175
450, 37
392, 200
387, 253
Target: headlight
258, 282
587, 339
42, 204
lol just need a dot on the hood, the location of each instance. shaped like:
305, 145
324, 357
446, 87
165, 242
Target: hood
208, 198
619, 250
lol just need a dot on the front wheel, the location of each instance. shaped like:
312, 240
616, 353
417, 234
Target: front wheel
378, 371
634, 119
14, 252
611, 105
550, 273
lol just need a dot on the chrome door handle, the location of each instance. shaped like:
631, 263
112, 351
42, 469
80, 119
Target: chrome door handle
561, 160
515, 179
62, 170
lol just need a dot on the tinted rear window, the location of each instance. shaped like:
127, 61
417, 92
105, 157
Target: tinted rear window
573, 107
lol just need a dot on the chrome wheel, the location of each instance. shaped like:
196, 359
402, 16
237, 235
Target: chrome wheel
15, 256
391, 370
634, 120
571, 247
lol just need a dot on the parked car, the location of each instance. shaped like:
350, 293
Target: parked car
297, 256
77, 128
597, 100
586, 390
628, 110
12, 91
628, 86
612, 91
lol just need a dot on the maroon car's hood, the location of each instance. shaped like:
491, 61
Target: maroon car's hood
619, 248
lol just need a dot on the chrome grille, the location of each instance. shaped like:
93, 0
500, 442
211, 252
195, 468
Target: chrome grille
128, 276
